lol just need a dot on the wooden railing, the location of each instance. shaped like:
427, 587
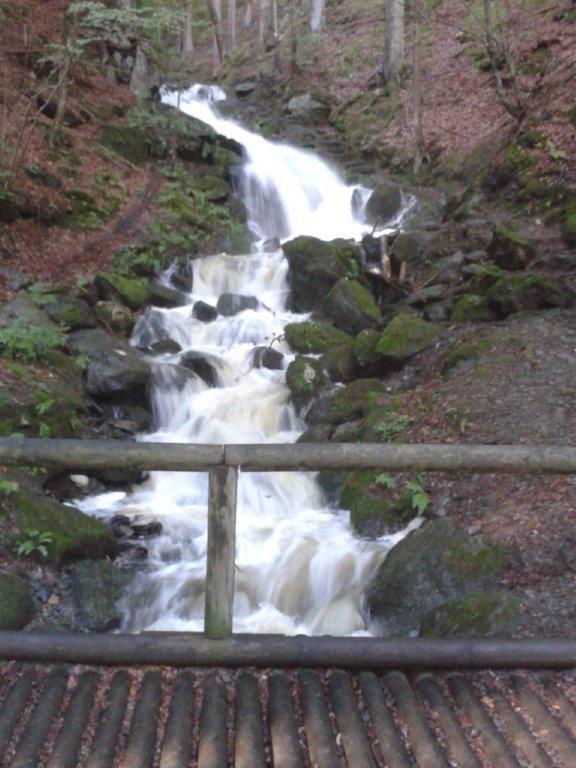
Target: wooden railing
224, 462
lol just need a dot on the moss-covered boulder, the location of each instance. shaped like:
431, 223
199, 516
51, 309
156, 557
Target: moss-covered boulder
115, 316
569, 224
315, 266
517, 293
17, 607
351, 307
130, 143
484, 277
483, 615
24, 311
73, 535
374, 511
462, 354
405, 336
133, 292
510, 250
364, 348
353, 400
319, 433
113, 368
98, 586
384, 204
314, 336
430, 566
410, 246
339, 363
304, 378
70, 312
471, 309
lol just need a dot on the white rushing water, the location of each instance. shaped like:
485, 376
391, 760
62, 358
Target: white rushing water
300, 568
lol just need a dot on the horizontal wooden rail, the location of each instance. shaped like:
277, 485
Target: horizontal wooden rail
106, 454
189, 650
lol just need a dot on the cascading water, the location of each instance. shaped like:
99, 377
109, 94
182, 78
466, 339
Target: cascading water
300, 569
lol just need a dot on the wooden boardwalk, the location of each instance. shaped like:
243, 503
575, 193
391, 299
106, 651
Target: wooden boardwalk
102, 717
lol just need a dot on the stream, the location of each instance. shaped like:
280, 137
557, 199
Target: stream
299, 566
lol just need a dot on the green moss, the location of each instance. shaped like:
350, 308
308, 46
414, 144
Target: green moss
339, 363
351, 307
304, 379
371, 512
16, 604
74, 535
510, 250
354, 400
313, 336
471, 309
569, 224
364, 347
485, 277
130, 143
464, 351
85, 212
517, 293
405, 336
132, 292
483, 615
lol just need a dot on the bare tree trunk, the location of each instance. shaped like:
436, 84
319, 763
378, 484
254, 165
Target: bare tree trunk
265, 27
187, 34
419, 149
248, 15
394, 40
294, 36
231, 26
215, 10
317, 15
276, 38
515, 107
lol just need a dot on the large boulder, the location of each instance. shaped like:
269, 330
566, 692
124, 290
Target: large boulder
113, 368
162, 296
314, 336
305, 378
307, 109
373, 510
471, 309
24, 311
430, 566
351, 307
405, 336
383, 205
73, 535
515, 293
352, 401
510, 250
131, 291
198, 364
115, 316
410, 246
98, 585
16, 604
230, 304
70, 312
314, 268
484, 615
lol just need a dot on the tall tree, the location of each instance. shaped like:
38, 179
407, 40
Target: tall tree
394, 40
317, 15
266, 27
231, 26
187, 34
215, 10
248, 15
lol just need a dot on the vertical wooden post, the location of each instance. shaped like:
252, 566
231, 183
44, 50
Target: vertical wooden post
221, 552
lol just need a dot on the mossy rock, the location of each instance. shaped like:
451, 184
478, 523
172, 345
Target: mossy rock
17, 607
351, 307
319, 433
313, 336
305, 378
510, 250
354, 400
373, 512
133, 292
364, 348
569, 223
518, 293
24, 311
405, 336
315, 266
339, 363
463, 353
98, 585
74, 535
430, 566
471, 309
116, 317
383, 204
485, 276
130, 143
483, 615
410, 246
214, 188
70, 312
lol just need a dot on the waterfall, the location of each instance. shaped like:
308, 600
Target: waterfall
299, 566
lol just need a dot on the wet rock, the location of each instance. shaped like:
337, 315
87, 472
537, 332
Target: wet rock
339, 363
146, 530
17, 607
115, 316
271, 246
131, 292
405, 336
71, 313
429, 211
432, 565
373, 510
204, 312
484, 615
97, 587
304, 378
510, 250
121, 526
384, 204
314, 336
121, 479
166, 347
245, 88
230, 304
351, 307
197, 363
162, 296
515, 293
265, 357
113, 367
182, 274
410, 246
74, 535
315, 267
306, 108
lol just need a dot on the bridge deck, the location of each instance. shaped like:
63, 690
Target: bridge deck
69, 716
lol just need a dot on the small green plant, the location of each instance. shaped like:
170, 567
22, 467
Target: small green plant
30, 343
35, 542
353, 270
40, 295
419, 498
393, 427
554, 152
386, 480
8, 487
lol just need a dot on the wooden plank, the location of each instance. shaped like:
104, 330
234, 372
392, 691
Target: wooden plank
192, 649
104, 454
221, 552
